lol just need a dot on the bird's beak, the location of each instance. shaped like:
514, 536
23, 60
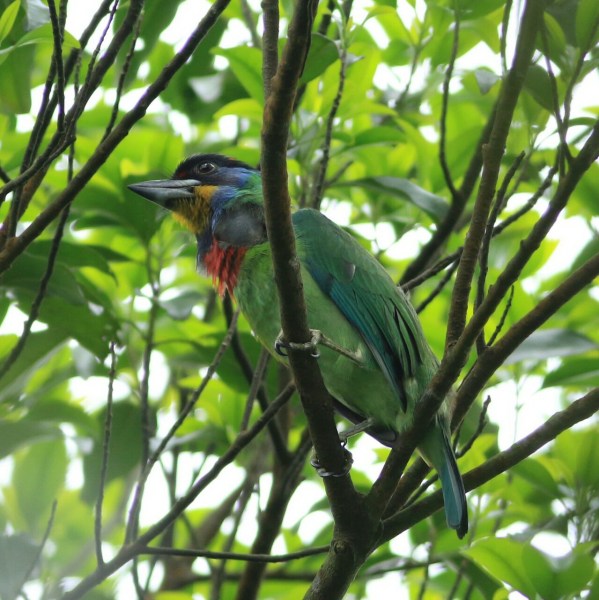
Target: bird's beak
165, 192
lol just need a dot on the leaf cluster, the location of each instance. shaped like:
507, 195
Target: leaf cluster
147, 444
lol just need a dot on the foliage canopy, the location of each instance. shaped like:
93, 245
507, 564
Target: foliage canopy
456, 140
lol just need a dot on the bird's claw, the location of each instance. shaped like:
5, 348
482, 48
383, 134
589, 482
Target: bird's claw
349, 461
281, 345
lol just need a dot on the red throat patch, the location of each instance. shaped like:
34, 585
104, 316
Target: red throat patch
223, 265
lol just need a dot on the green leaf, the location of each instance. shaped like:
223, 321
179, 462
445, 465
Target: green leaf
535, 473
587, 17
246, 64
51, 411
16, 70
41, 35
182, 304
37, 14
40, 346
124, 450
8, 18
538, 84
30, 268
556, 39
378, 135
502, 558
577, 371
17, 554
45, 35
550, 343
14, 434
556, 578
75, 255
246, 107
435, 206
38, 476
485, 79
579, 450
322, 54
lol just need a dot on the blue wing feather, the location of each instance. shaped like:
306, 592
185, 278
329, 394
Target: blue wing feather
365, 294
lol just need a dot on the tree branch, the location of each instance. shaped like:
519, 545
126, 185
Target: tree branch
493, 154
128, 552
578, 411
277, 117
495, 355
104, 149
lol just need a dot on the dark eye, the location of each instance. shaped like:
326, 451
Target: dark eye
206, 168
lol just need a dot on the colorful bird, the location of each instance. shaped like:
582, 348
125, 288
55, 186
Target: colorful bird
373, 355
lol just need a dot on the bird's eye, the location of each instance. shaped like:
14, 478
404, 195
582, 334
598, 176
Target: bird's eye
206, 168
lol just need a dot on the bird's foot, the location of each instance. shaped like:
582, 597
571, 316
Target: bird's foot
355, 429
281, 345
317, 338
349, 461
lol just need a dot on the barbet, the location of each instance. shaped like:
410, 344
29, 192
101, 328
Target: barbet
374, 357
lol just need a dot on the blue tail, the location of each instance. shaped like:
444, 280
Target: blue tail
454, 496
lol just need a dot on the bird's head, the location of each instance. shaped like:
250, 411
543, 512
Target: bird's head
214, 197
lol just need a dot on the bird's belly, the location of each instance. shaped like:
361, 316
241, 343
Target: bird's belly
362, 387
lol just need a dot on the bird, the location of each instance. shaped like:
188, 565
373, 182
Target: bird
372, 351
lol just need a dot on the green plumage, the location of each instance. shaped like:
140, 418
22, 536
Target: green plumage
349, 297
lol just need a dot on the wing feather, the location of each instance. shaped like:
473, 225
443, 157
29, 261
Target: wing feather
365, 294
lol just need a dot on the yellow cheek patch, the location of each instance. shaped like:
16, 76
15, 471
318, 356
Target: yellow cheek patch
194, 214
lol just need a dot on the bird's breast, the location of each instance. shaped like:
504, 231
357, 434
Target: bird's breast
223, 264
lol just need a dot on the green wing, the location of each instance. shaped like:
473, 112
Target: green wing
365, 294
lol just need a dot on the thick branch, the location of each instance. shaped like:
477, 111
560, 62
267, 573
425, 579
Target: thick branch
354, 524
493, 154
494, 356
277, 118
579, 410
444, 229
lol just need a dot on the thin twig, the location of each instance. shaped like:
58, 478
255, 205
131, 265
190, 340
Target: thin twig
277, 438
486, 242
455, 199
495, 355
40, 547
505, 21
262, 558
218, 574
508, 98
4, 176
503, 318
562, 129
39, 297
123, 77
577, 411
325, 149
441, 265
127, 552
257, 383
105, 456
482, 423
439, 287
248, 18
100, 155
270, 44
425, 578
151, 461
57, 33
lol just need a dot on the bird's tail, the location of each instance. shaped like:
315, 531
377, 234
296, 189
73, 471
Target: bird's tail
454, 496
